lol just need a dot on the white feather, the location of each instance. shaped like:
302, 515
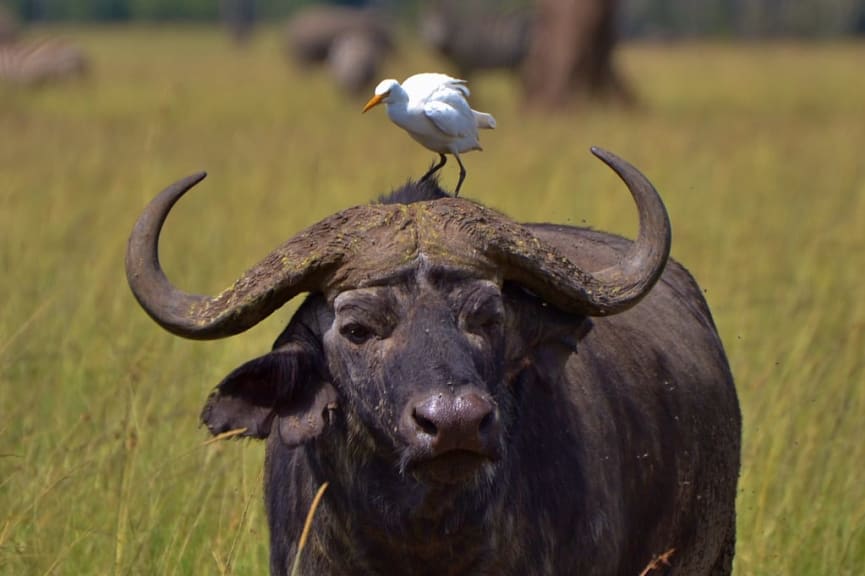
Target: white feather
434, 110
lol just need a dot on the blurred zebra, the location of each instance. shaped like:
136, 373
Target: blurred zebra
40, 61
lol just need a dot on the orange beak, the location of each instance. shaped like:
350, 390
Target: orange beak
373, 102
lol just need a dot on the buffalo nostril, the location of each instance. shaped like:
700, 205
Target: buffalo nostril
424, 424
486, 422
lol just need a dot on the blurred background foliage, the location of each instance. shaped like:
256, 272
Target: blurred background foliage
639, 18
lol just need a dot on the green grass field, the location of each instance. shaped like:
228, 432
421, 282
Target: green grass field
758, 151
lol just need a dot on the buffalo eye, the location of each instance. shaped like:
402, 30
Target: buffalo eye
483, 314
356, 332
364, 314
483, 322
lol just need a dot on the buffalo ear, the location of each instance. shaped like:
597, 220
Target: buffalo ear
306, 416
284, 383
537, 329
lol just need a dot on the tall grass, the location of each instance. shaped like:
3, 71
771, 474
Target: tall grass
757, 151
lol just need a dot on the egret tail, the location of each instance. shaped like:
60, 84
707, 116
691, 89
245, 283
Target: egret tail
484, 120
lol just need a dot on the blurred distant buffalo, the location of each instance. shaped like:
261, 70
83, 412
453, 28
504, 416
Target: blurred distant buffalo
476, 35
351, 41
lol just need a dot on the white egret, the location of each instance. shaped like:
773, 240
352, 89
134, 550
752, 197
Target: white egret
433, 109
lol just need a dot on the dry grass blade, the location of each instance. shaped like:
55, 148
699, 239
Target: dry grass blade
220, 565
229, 566
658, 561
130, 449
307, 525
224, 436
26, 324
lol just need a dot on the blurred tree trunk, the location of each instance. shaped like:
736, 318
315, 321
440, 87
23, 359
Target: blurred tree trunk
572, 54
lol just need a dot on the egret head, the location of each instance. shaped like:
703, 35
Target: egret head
382, 93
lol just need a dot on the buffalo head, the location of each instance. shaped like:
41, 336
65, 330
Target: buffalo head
421, 318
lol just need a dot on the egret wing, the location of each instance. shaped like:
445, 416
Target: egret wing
422, 86
458, 85
447, 119
449, 111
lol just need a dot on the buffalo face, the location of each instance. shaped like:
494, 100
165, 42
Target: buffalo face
421, 366
411, 375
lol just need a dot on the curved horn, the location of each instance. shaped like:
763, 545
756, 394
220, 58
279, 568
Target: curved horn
302, 264
646, 258
347, 249
609, 291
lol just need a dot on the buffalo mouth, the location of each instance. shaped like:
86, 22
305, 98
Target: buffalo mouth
451, 468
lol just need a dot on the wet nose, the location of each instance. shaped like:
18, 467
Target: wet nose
447, 422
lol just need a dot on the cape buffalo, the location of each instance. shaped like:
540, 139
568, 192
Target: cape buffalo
483, 397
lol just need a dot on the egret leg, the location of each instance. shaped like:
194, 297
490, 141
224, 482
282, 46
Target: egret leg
436, 168
462, 175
